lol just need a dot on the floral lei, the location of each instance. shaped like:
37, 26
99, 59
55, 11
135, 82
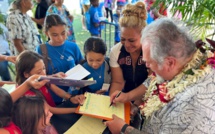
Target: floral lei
158, 95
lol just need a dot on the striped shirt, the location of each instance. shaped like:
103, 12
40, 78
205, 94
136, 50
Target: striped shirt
21, 26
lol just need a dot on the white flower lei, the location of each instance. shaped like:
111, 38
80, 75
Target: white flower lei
178, 84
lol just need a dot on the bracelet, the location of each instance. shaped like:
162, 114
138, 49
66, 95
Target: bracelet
70, 97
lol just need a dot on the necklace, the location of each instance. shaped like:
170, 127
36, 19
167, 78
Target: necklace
199, 67
61, 55
99, 74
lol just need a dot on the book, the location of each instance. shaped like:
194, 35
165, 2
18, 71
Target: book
67, 82
98, 106
74, 76
87, 125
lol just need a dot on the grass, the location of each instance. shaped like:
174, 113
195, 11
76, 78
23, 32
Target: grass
82, 35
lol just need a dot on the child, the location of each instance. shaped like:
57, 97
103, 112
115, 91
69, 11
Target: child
63, 55
32, 116
29, 63
116, 16
6, 104
109, 4
94, 18
58, 8
95, 50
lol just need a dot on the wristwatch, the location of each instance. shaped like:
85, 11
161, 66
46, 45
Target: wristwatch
123, 129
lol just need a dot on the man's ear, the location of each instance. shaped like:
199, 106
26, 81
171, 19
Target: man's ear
171, 63
26, 75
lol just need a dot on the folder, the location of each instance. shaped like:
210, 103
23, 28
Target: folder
97, 106
67, 82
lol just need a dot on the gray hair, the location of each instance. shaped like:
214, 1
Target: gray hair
16, 4
167, 38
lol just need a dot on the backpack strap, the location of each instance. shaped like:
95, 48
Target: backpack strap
46, 59
107, 75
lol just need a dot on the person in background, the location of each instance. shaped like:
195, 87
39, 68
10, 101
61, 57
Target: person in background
58, 8
4, 50
128, 71
120, 4
40, 14
63, 54
23, 34
109, 6
95, 51
94, 18
179, 98
85, 5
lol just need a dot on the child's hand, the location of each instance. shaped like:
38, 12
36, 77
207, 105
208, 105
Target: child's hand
78, 99
33, 82
59, 75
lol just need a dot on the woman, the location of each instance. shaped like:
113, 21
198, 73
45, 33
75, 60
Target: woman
128, 69
58, 8
22, 31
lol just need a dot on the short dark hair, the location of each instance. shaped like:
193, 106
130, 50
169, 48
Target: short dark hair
27, 112
95, 44
53, 20
6, 106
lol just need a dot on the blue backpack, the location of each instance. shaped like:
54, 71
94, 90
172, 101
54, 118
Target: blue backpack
87, 20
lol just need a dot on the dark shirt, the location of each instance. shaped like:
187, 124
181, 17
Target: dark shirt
40, 12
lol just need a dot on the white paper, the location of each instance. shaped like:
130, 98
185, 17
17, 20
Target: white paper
77, 73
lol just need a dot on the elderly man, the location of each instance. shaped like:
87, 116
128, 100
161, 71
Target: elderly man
180, 97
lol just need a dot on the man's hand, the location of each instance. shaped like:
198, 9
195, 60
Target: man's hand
123, 97
115, 125
33, 82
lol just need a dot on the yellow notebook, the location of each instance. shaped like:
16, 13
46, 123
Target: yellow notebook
97, 106
87, 125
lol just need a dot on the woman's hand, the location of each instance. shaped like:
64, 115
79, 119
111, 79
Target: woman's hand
78, 99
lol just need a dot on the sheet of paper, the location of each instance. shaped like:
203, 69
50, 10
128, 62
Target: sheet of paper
99, 105
87, 125
9, 87
77, 73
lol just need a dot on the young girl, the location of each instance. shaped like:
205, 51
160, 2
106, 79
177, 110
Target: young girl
58, 8
95, 50
32, 115
63, 54
7, 126
29, 63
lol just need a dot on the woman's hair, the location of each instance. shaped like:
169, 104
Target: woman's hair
25, 62
6, 107
27, 112
95, 44
52, 20
134, 16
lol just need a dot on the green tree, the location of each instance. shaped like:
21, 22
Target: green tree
199, 14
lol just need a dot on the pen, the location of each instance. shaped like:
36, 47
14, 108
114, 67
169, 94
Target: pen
115, 98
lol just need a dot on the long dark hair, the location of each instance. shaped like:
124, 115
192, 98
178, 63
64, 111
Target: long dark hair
6, 106
25, 62
27, 112
52, 20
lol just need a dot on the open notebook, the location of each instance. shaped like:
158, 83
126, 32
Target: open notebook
97, 106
